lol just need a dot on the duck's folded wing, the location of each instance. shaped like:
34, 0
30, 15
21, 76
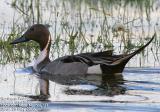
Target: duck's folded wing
90, 59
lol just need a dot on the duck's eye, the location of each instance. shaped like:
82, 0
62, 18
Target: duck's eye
32, 29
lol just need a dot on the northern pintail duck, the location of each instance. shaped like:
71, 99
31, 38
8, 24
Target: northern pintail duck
73, 67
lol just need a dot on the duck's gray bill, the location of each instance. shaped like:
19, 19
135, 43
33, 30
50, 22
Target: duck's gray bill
19, 40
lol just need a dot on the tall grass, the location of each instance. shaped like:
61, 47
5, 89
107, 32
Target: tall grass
80, 26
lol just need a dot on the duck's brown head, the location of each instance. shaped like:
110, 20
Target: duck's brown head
38, 33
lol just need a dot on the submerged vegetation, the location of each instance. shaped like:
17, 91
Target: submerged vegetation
81, 26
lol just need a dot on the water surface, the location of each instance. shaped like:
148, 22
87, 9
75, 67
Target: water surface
82, 26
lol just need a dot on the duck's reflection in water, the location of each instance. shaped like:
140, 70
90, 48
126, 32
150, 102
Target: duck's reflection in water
108, 85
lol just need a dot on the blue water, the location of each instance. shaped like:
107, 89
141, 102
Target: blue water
136, 90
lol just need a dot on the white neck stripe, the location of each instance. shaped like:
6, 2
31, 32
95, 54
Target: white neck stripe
42, 55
